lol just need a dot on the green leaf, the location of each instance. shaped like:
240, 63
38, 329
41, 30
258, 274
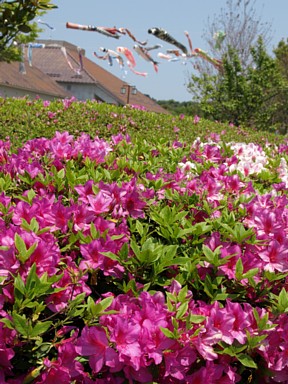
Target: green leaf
168, 333
40, 328
20, 244
283, 300
24, 28
23, 252
19, 287
21, 324
8, 323
32, 375
105, 303
197, 319
182, 294
239, 269
139, 228
136, 249
212, 256
110, 255
182, 310
31, 281
246, 360
251, 273
93, 231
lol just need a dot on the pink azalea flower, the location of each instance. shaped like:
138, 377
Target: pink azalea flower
94, 344
25, 211
116, 139
214, 373
133, 205
67, 102
266, 222
82, 217
220, 320
275, 256
241, 321
125, 335
100, 203
96, 149
94, 258
178, 362
8, 261
142, 375
46, 255
85, 190
65, 369
6, 354
51, 115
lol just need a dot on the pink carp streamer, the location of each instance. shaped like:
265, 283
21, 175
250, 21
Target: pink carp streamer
182, 53
204, 55
125, 30
131, 62
76, 70
109, 56
141, 51
109, 32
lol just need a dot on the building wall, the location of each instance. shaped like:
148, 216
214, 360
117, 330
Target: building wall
88, 92
15, 92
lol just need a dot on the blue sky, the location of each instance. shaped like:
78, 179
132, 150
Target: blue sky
138, 16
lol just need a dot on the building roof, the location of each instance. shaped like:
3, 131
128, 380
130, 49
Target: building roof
52, 61
33, 80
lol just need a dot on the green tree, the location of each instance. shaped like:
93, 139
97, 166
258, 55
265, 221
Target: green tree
17, 27
248, 96
281, 53
187, 108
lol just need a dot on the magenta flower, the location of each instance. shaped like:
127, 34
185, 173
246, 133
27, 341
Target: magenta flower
46, 255
51, 115
94, 344
178, 362
94, 257
100, 203
220, 320
25, 211
67, 102
275, 256
214, 373
82, 217
8, 261
241, 321
85, 190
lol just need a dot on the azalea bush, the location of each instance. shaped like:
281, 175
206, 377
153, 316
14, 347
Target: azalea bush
23, 119
124, 260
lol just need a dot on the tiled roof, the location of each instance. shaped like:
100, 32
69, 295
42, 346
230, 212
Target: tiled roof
52, 61
33, 80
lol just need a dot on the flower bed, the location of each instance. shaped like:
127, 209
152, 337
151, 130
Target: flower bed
127, 262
